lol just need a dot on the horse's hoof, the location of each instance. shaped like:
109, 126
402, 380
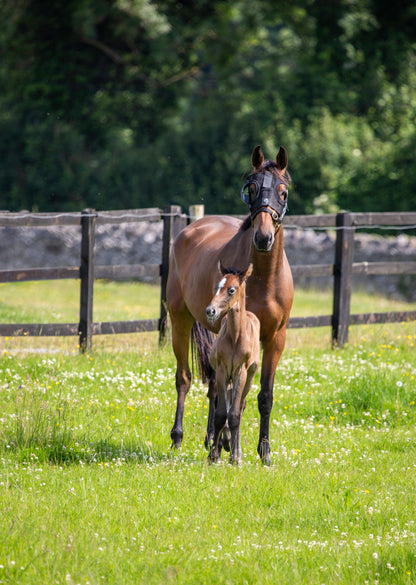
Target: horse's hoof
176, 436
264, 452
266, 459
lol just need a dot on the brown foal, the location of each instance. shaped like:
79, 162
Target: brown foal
235, 356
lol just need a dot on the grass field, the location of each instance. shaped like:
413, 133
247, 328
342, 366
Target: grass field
90, 492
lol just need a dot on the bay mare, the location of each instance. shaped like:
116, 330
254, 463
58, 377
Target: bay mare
193, 276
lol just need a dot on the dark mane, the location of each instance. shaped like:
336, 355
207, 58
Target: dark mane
246, 224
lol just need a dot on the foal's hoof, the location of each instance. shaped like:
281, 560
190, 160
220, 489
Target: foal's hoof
214, 456
235, 460
208, 441
226, 439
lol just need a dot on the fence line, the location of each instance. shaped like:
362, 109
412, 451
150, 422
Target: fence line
344, 224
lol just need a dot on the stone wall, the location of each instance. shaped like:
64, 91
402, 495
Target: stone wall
141, 243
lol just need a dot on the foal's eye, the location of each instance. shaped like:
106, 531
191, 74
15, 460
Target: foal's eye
231, 290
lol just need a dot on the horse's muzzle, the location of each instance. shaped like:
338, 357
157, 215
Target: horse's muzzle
263, 242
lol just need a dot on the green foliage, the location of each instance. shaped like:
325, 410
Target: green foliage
131, 103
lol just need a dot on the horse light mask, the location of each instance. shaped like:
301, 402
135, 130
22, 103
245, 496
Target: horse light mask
267, 197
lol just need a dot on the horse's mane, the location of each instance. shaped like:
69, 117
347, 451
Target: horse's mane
246, 224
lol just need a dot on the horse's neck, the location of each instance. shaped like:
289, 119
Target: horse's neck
236, 316
268, 264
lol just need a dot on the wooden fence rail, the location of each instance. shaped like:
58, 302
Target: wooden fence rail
173, 221
344, 268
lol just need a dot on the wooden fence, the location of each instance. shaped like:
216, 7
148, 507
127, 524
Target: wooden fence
344, 268
173, 221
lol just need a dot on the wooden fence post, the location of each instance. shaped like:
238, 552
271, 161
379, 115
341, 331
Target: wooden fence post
196, 212
344, 251
173, 223
88, 218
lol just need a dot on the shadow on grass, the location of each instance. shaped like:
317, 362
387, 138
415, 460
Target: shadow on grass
47, 433
69, 451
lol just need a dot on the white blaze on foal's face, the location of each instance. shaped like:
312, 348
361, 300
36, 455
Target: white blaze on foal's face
221, 285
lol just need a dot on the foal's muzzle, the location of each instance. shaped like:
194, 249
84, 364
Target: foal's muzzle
211, 314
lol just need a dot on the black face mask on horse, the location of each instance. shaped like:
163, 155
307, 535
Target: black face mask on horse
261, 193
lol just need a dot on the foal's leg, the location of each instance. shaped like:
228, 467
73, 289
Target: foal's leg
181, 332
235, 413
220, 415
225, 440
272, 350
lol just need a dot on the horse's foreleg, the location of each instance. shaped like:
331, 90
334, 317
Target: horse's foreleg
271, 355
180, 344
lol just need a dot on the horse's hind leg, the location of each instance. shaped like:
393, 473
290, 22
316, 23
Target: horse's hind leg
180, 345
212, 397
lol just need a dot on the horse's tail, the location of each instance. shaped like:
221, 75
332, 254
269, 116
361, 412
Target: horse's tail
202, 340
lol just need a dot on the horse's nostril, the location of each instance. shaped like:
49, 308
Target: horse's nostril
210, 311
263, 242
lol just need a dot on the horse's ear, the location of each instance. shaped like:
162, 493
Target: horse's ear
257, 158
281, 158
221, 268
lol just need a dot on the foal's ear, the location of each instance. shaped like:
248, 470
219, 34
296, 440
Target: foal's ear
221, 268
281, 158
257, 158
244, 274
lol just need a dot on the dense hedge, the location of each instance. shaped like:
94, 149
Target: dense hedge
131, 103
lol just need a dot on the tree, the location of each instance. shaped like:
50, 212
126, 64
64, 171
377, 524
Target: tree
129, 103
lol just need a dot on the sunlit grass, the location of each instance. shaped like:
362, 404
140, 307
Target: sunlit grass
92, 493
58, 301
319, 302
87, 471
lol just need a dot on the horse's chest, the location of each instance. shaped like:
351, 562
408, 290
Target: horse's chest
266, 305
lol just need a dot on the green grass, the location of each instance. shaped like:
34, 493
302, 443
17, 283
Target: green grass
58, 301
91, 493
